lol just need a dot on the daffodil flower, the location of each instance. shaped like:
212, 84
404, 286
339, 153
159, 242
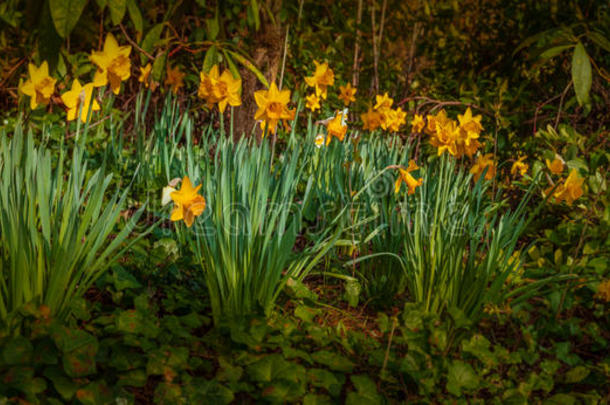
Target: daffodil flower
519, 166
145, 74
312, 102
322, 78
404, 175
336, 128
272, 107
483, 162
187, 203
39, 86
222, 89
113, 64
556, 166
79, 98
174, 78
347, 94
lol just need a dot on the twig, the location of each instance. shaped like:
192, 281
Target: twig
134, 44
355, 69
387, 351
284, 57
563, 95
375, 83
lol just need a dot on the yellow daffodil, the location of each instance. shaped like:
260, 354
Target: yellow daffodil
113, 64
603, 291
569, 190
371, 120
347, 94
483, 162
319, 140
39, 86
458, 138
383, 102
470, 124
406, 177
556, 166
222, 89
313, 102
322, 78
272, 107
519, 166
444, 138
417, 124
394, 119
145, 74
336, 127
174, 78
187, 203
79, 98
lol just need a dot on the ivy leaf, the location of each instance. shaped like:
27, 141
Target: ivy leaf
581, 74
65, 14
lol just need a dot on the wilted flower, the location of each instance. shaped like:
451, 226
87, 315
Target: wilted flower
321, 79
519, 166
484, 162
79, 98
187, 203
174, 78
406, 177
603, 290
272, 107
113, 64
39, 86
145, 74
313, 102
347, 94
371, 120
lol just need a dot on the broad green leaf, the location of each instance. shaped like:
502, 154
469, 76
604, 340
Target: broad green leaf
581, 74
136, 18
213, 28
334, 361
65, 14
152, 37
461, 376
366, 391
117, 10
210, 59
18, 350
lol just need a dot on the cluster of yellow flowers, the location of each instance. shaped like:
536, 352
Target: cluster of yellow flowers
323, 78
458, 138
569, 189
382, 115
219, 89
113, 67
